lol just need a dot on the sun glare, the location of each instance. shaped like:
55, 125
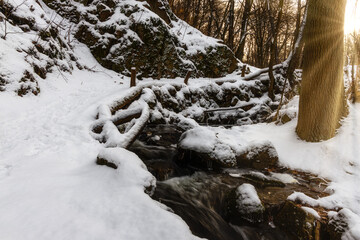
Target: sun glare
352, 16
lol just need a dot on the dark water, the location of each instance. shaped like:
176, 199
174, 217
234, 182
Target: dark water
201, 201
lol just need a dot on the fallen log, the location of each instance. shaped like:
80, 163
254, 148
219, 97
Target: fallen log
126, 101
256, 74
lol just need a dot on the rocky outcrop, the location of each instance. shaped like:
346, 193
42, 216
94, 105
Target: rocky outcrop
145, 35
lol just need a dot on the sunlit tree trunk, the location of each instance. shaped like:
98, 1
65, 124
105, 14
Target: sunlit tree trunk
322, 100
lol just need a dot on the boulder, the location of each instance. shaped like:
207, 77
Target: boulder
221, 150
212, 154
244, 205
258, 156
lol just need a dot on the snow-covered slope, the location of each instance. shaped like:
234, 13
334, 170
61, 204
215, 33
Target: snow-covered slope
32, 45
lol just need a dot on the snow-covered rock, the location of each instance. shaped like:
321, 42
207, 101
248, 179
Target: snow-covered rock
244, 205
221, 148
129, 166
247, 199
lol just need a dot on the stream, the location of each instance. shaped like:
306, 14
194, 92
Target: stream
201, 198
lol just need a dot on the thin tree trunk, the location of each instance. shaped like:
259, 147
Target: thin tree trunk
211, 17
244, 23
273, 47
231, 25
297, 46
322, 99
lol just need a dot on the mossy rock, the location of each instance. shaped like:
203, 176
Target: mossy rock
295, 220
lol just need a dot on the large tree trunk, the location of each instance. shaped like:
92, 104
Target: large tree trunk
322, 100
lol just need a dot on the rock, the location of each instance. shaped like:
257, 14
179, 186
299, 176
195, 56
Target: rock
260, 180
28, 84
225, 151
258, 156
285, 119
103, 161
210, 154
104, 12
40, 71
157, 6
215, 61
295, 220
243, 204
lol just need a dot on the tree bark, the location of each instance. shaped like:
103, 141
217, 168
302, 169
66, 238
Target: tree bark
322, 99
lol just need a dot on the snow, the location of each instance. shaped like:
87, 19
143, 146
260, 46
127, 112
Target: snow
247, 199
130, 167
284, 177
312, 212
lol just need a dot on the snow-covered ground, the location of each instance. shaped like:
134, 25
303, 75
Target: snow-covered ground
51, 187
